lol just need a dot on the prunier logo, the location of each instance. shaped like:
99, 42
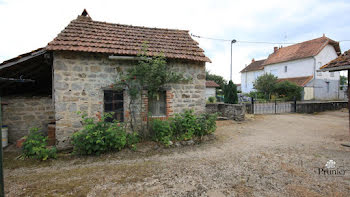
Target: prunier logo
330, 169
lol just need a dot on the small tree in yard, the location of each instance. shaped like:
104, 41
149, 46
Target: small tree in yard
288, 90
151, 74
266, 84
217, 78
230, 93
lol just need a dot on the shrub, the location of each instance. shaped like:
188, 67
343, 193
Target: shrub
184, 125
35, 146
161, 131
207, 124
212, 99
98, 137
288, 90
132, 139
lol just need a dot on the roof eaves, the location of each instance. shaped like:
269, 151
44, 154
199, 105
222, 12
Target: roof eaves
20, 59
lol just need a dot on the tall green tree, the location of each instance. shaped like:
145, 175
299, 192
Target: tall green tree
217, 78
230, 93
266, 84
343, 80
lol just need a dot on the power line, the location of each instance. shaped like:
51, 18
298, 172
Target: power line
241, 41
251, 42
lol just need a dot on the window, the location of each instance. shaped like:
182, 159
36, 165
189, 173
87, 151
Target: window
114, 102
332, 74
285, 69
327, 86
319, 73
157, 104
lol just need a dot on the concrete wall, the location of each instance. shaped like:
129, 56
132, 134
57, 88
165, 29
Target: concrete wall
230, 111
81, 78
21, 113
311, 107
210, 92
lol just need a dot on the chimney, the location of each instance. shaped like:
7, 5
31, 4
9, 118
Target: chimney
253, 60
275, 49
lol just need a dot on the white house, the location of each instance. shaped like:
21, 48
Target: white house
210, 89
299, 63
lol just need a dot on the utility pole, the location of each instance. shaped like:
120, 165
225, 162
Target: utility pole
232, 42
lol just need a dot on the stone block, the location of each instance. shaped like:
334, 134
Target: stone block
59, 65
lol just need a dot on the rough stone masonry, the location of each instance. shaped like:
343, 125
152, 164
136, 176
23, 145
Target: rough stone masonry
21, 114
79, 81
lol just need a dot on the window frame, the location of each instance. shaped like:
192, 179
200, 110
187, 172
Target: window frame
118, 111
160, 112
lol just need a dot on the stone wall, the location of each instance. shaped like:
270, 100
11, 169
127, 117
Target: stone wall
21, 113
311, 107
230, 111
81, 78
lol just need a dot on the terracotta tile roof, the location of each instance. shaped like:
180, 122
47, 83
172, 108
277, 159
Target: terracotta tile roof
85, 35
211, 84
340, 63
300, 81
301, 50
255, 65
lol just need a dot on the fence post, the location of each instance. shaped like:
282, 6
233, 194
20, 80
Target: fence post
252, 107
275, 106
295, 104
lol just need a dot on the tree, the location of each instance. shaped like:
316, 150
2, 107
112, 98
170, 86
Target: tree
288, 90
343, 80
266, 84
230, 93
217, 78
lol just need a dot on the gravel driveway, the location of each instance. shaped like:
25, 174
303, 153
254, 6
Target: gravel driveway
266, 155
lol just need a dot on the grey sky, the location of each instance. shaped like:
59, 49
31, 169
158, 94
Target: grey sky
27, 25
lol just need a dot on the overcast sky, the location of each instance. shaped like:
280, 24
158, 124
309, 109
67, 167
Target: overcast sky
27, 25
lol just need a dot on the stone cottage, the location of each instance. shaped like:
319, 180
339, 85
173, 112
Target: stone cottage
75, 71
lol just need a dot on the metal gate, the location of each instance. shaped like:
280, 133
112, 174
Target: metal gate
272, 107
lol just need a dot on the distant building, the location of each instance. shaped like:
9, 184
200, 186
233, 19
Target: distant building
210, 89
239, 88
299, 63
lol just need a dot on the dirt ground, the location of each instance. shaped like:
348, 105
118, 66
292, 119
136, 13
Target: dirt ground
266, 155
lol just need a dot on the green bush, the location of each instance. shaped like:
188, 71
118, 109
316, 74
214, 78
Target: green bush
161, 131
288, 90
207, 124
184, 125
35, 146
98, 137
212, 99
132, 139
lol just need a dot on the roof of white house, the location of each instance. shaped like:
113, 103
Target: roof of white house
301, 50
